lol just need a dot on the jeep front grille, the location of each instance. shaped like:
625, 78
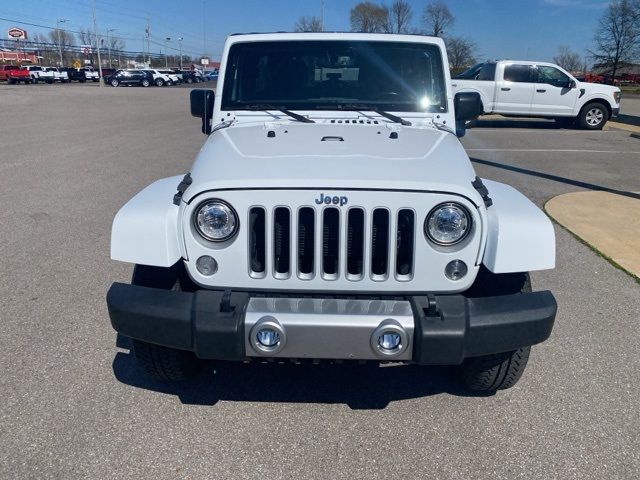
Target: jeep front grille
308, 242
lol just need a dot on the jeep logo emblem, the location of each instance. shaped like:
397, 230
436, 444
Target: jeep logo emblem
328, 200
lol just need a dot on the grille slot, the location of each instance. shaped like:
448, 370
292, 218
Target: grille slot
379, 244
355, 244
405, 244
330, 243
281, 242
306, 244
257, 241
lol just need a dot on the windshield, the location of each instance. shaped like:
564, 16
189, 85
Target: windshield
329, 75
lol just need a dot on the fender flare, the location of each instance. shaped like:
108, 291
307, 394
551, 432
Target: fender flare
145, 230
520, 236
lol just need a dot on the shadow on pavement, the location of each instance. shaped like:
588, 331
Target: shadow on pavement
367, 386
555, 178
628, 119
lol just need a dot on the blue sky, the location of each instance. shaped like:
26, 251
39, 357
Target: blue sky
501, 28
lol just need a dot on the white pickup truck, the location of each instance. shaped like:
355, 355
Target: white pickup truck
39, 74
538, 89
58, 75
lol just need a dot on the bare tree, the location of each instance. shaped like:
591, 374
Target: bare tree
308, 24
437, 18
568, 59
461, 52
369, 18
617, 39
400, 17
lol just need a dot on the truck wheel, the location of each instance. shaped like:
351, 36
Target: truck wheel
145, 82
593, 116
502, 370
165, 363
159, 82
11, 81
160, 362
495, 372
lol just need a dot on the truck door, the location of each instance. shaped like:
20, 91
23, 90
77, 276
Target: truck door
515, 92
554, 95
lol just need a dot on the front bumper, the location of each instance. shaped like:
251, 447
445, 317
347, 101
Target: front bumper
443, 330
615, 112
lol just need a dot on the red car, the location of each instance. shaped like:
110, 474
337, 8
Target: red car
14, 74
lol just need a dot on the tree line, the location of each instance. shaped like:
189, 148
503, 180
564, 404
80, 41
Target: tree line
616, 39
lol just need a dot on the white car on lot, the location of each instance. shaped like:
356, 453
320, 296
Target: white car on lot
91, 74
539, 89
160, 79
333, 214
39, 74
58, 75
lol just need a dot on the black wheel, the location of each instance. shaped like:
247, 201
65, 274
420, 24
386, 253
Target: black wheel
159, 82
164, 363
495, 372
11, 81
189, 80
157, 361
502, 370
593, 116
145, 82
114, 82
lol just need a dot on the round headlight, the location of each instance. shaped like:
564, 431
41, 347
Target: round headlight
215, 220
447, 224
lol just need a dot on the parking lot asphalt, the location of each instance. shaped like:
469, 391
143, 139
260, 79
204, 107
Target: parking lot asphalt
73, 404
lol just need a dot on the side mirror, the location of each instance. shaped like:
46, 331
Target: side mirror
468, 106
571, 84
202, 106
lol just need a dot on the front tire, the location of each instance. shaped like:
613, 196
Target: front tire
495, 372
159, 83
499, 371
115, 83
145, 83
593, 116
163, 363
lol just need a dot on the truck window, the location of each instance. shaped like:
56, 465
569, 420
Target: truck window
329, 75
552, 76
488, 72
471, 73
518, 73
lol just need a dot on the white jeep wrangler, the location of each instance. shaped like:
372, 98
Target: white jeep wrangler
316, 224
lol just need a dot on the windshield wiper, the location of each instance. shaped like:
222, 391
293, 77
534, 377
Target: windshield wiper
373, 108
294, 115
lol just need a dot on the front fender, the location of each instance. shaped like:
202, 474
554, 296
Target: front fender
520, 237
145, 230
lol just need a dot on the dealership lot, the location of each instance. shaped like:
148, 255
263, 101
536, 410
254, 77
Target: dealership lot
76, 405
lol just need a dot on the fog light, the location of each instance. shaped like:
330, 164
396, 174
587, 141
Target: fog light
389, 339
207, 265
455, 270
268, 337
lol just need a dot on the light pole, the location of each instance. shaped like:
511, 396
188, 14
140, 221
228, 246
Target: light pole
180, 45
166, 52
58, 22
109, 30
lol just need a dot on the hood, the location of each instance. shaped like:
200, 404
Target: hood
332, 155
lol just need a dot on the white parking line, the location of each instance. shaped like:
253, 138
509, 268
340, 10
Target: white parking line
547, 150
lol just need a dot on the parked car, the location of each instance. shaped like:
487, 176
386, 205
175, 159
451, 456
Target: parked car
539, 89
190, 76
129, 77
13, 74
160, 79
211, 76
91, 74
107, 72
59, 75
39, 74
330, 219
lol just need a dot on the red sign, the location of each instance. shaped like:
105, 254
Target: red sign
17, 33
